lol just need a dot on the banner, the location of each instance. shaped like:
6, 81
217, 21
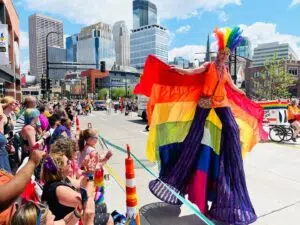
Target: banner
4, 57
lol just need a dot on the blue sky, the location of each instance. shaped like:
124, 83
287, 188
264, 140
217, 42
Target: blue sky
189, 22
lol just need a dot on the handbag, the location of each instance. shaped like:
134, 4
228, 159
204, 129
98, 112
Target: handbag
205, 102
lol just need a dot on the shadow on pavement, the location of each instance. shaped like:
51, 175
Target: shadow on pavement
139, 121
165, 214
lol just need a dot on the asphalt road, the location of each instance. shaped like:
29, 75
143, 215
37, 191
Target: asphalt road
272, 172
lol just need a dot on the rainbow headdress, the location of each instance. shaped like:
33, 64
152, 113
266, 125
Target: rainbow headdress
228, 40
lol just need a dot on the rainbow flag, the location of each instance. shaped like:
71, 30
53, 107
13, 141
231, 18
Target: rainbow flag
171, 109
172, 104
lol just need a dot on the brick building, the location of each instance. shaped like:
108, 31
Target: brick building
10, 51
254, 73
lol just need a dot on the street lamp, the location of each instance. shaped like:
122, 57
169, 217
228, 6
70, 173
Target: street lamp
47, 62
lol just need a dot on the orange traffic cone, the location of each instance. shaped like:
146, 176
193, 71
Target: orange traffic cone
132, 212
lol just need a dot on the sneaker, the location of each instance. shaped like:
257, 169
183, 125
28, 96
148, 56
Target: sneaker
294, 140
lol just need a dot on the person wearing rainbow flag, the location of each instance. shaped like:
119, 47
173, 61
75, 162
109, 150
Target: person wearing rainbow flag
197, 124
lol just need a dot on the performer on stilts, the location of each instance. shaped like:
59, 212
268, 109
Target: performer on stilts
183, 107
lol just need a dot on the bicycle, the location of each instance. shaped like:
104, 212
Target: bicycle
280, 133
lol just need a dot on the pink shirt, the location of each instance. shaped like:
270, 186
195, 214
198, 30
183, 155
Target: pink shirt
82, 155
44, 122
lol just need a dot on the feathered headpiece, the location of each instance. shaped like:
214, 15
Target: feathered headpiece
228, 40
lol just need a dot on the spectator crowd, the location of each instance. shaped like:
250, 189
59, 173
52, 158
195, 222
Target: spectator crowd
47, 168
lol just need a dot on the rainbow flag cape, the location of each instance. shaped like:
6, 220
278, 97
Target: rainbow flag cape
171, 108
172, 103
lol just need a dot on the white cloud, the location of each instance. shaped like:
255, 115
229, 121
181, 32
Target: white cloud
294, 3
183, 29
188, 52
261, 32
258, 33
223, 16
169, 9
171, 37
24, 40
86, 12
91, 11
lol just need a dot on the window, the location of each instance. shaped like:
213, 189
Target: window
293, 70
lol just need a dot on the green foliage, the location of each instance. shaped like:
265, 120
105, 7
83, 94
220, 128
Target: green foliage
274, 82
116, 93
102, 93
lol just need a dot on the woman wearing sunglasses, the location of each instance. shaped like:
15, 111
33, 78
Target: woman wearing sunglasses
39, 214
60, 196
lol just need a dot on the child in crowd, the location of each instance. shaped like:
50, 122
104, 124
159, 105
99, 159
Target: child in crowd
88, 140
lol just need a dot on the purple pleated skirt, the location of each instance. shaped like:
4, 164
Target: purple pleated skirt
231, 203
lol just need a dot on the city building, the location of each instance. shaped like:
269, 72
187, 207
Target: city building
266, 51
254, 73
181, 62
144, 13
95, 44
146, 40
244, 49
10, 70
57, 55
71, 46
122, 43
39, 28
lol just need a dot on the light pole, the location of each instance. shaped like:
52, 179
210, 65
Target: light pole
47, 63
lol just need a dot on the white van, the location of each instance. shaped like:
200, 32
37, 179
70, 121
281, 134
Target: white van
142, 107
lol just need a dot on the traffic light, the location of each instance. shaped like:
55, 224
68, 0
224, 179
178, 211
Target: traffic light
1, 89
43, 84
49, 84
102, 66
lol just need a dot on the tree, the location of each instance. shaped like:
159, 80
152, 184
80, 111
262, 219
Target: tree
117, 92
102, 93
274, 81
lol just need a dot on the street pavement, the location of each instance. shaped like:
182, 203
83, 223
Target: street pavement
272, 172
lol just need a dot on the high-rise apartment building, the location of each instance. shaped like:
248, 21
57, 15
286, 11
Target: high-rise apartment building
266, 51
122, 43
71, 47
244, 49
39, 27
144, 13
150, 39
95, 44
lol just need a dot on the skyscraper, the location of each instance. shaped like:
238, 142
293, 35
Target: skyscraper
146, 40
39, 27
95, 44
147, 36
244, 49
57, 55
71, 46
266, 51
122, 43
144, 13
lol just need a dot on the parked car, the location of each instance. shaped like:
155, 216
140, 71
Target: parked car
99, 105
